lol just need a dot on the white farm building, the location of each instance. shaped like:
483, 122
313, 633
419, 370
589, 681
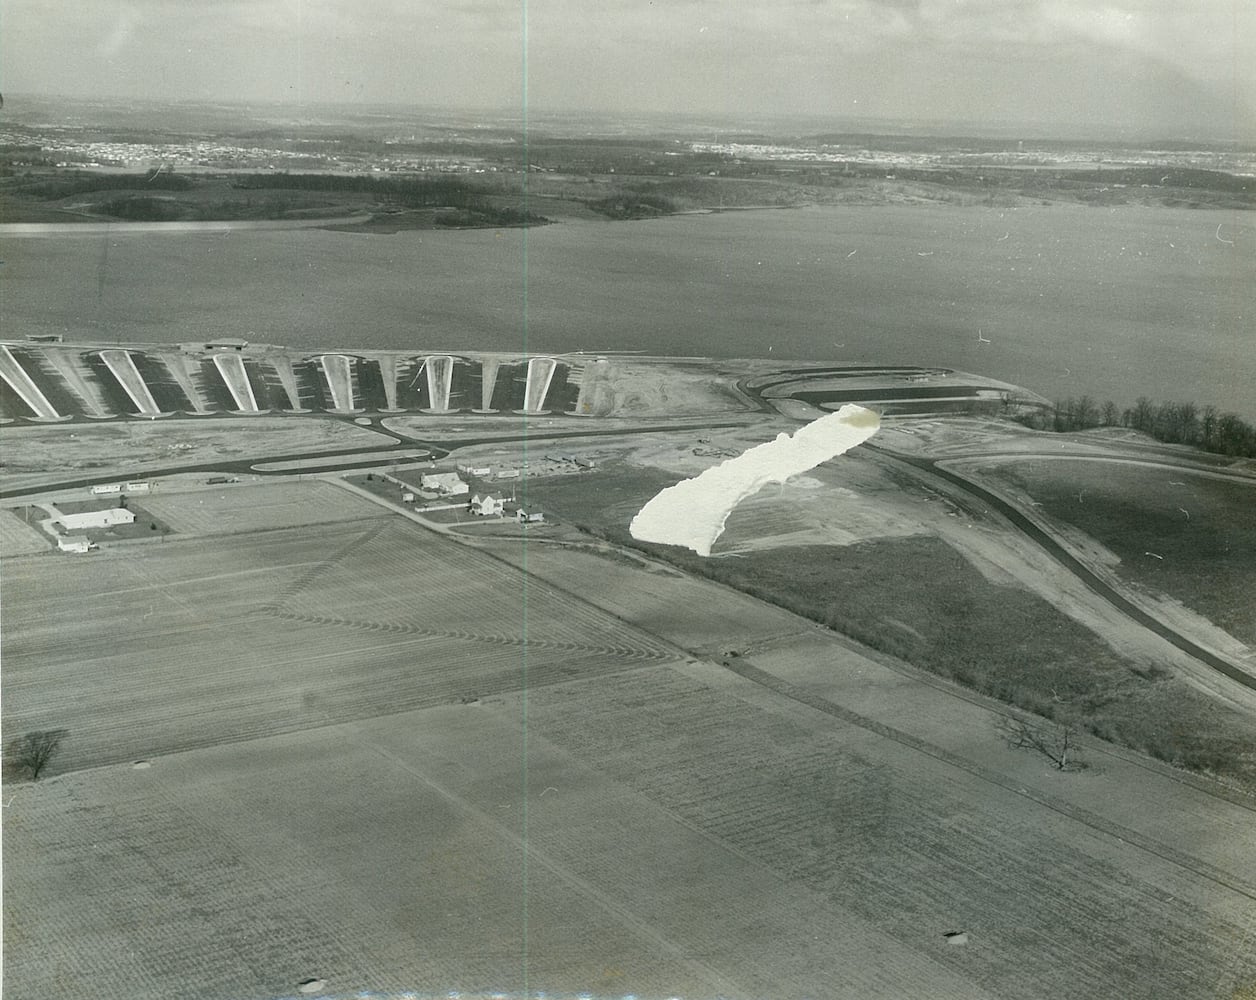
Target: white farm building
444, 482
487, 506
106, 518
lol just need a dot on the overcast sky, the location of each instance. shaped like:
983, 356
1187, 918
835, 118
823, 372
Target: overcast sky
1145, 64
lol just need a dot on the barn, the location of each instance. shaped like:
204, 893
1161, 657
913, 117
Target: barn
106, 518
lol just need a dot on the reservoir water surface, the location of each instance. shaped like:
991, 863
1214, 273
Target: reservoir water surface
1110, 302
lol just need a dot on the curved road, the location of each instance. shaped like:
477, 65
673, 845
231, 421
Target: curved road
327, 459
1078, 568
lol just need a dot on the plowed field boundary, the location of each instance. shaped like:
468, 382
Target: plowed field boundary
1075, 813
619, 652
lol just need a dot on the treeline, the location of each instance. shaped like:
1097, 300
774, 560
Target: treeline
463, 218
67, 185
407, 192
466, 205
141, 209
1172, 422
633, 206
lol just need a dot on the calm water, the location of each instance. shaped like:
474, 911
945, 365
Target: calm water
1115, 303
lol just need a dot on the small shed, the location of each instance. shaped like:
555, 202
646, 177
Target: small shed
79, 543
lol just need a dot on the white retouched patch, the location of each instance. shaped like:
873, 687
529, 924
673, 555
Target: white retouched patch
693, 512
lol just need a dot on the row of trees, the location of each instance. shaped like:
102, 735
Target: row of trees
1172, 422
633, 206
84, 182
409, 191
468, 204
141, 209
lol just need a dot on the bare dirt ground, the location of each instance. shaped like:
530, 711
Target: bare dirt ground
241, 507
17, 537
278, 630
456, 428
610, 815
858, 498
122, 448
395, 762
637, 387
1175, 533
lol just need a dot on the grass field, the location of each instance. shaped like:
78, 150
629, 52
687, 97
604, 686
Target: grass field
1202, 529
999, 640
945, 617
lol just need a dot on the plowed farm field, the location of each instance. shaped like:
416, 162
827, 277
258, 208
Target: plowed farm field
160, 648
252, 507
398, 764
18, 538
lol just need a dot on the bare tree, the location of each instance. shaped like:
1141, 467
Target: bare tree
27, 755
1208, 427
1143, 415
1057, 741
1085, 413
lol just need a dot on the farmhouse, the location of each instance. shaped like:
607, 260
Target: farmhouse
96, 518
487, 506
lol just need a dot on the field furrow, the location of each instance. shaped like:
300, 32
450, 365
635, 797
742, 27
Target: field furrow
416, 579
119, 651
899, 842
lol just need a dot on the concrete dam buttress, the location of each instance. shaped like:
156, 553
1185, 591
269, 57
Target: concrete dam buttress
57, 381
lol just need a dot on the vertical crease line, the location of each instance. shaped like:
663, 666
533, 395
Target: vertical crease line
524, 584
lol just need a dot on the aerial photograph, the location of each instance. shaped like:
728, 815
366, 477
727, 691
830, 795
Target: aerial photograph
635, 500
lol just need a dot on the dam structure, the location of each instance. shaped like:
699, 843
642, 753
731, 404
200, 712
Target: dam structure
236, 379
338, 372
19, 382
536, 387
122, 366
440, 380
42, 381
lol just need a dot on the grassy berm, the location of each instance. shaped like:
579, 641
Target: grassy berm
919, 600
